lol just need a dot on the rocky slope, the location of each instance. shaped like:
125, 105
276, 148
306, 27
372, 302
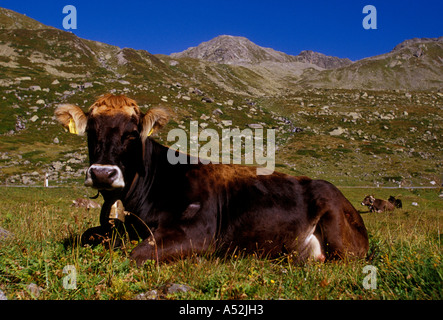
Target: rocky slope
415, 64
241, 51
376, 136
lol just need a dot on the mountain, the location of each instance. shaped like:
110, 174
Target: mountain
323, 112
415, 64
322, 60
13, 20
241, 51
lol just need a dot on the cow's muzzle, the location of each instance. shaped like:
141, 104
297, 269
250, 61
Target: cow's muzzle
104, 177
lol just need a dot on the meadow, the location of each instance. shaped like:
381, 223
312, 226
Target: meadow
42, 257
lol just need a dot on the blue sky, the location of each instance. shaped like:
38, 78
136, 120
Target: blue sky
331, 27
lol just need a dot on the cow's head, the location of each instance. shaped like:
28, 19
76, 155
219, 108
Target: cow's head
117, 131
368, 201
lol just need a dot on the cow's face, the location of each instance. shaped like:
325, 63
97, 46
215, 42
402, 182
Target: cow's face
368, 201
116, 131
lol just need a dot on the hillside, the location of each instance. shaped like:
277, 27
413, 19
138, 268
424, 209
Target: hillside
415, 64
347, 136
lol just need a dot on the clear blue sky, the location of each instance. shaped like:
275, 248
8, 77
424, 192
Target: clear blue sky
331, 27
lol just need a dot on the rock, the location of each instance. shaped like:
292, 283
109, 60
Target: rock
173, 63
230, 102
354, 115
337, 132
34, 290
418, 53
148, 295
40, 101
55, 82
34, 118
176, 288
187, 98
204, 117
35, 88
56, 140
408, 95
5, 234
226, 123
23, 79
27, 180
196, 91
207, 99
217, 112
57, 165
255, 126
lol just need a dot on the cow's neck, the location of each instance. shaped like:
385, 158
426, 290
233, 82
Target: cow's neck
154, 161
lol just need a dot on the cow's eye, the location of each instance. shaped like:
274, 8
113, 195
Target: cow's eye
130, 136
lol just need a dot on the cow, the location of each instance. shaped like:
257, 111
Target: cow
178, 210
377, 205
396, 202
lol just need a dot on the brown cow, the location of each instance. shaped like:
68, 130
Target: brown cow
377, 205
182, 209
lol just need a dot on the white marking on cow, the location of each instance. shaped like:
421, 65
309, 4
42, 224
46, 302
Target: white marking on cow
117, 183
313, 245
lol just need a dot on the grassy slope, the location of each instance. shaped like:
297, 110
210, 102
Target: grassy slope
405, 248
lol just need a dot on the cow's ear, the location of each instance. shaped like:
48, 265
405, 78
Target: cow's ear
153, 121
72, 118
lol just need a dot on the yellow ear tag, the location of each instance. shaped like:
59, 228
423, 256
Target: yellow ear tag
150, 132
72, 127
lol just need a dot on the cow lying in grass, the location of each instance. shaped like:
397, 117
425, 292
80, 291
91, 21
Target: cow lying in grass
377, 205
183, 209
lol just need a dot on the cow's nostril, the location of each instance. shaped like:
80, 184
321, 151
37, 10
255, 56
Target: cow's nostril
112, 174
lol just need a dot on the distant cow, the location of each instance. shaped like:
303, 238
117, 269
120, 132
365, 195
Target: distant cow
396, 202
377, 205
85, 203
183, 209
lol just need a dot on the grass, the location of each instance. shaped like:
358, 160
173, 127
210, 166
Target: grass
405, 247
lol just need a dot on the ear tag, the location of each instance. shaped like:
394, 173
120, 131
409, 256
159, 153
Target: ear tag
150, 132
72, 127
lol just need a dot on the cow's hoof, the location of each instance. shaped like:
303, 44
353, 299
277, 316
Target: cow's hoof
94, 236
138, 258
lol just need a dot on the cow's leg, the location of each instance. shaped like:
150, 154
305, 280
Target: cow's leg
169, 245
341, 237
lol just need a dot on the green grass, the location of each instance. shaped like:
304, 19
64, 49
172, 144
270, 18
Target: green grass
405, 247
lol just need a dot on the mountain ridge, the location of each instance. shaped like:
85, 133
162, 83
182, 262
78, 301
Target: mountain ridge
238, 50
235, 64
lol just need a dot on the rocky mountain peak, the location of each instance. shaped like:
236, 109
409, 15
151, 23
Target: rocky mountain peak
232, 50
413, 41
322, 60
12, 20
241, 51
